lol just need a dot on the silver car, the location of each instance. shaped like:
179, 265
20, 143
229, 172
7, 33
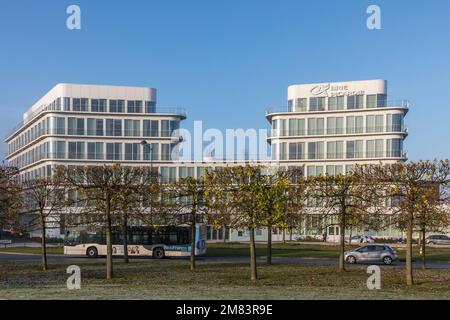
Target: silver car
438, 239
372, 253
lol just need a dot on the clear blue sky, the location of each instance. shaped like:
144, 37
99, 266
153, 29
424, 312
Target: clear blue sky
227, 61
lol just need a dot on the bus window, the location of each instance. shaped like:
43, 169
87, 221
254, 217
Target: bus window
72, 238
92, 237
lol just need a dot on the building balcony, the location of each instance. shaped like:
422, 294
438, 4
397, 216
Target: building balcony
393, 104
163, 111
294, 133
344, 156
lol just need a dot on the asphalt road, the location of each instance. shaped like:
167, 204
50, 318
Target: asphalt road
8, 257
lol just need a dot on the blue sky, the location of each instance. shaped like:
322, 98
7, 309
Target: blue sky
227, 61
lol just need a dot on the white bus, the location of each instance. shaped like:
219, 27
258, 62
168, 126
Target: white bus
158, 242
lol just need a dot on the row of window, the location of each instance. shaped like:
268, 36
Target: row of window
338, 125
95, 127
80, 150
167, 174
331, 150
101, 105
338, 103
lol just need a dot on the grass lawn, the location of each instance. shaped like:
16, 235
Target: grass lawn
171, 279
293, 249
290, 249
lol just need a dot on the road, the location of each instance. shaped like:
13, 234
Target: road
9, 257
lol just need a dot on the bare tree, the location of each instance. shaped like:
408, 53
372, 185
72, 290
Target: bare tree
282, 201
43, 199
241, 188
413, 189
9, 198
99, 187
345, 198
190, 194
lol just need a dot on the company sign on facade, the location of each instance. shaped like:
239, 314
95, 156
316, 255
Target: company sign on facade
329, 90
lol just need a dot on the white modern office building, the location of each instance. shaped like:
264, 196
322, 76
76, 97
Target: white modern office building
325, 128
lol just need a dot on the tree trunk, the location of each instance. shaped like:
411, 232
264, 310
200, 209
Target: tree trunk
284, 236
125, 239
423, 246
109, 260
269, 244
254, 274
341, 267
350, 236
193, 214
409, 270
224, 234
290, 233
43, 244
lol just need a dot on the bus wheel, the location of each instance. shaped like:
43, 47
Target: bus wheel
158, 253
92, 252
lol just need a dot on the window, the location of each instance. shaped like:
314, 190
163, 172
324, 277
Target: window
150, 107
185, 172
168, 127
296, 127
355, 102
116, 105
113, 151
336, 103
76, 150
166, 150
317, 104
296, 150
381, 100
132, 128
132, 151
113, 127
354, 149
374, 148
290, 105
394, 122
59, 149
168, 174
152, 149
98, 105
335, 125
300, 104
394, 148
315, 126
56, 125
349, 168
283, 151
314, 171
335, 149
371, 101
150, 128
75, 126
334, 170
355, 124
374, 123
94, 127
315, 150
80, 104
65, 104
134, 106
95, 151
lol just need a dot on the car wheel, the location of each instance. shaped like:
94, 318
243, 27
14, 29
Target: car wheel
351, 259
158, 253
92, 252
387, 260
